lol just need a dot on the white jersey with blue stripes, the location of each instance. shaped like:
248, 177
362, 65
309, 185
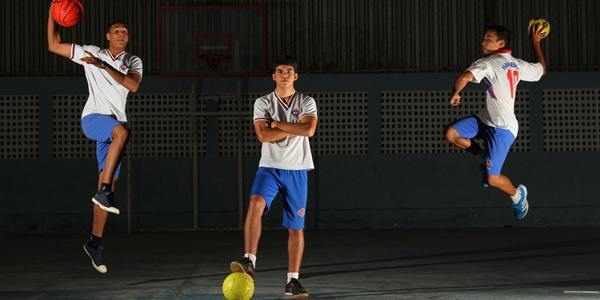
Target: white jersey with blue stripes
502, 72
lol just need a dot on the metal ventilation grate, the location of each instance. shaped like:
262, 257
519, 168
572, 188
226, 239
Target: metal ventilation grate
343, 123
412, 122
522, 110
162, 125
68, 138
238, 130
19, 127
571, 120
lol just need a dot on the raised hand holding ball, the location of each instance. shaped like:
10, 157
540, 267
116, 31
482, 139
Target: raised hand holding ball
67, 13
537, 23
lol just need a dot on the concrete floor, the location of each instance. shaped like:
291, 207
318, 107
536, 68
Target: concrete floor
502, 263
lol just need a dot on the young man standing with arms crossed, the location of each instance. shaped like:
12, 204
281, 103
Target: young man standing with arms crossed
283, 121
111, 74
497, 125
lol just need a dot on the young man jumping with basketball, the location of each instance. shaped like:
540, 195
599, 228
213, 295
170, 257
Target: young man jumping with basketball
497, 125
111, 74
283, 121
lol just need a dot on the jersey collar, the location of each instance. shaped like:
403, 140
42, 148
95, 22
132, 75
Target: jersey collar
117, 56
282, 102
503, 51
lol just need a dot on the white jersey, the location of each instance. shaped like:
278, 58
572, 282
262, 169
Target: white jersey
502, 72
292, 152
107, 96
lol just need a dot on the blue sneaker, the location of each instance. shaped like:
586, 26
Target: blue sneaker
522, 207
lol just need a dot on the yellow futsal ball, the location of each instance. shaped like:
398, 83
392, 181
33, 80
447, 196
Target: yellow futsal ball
238, 286
539, 22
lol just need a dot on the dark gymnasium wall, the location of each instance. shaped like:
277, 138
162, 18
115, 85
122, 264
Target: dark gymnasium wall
381, 72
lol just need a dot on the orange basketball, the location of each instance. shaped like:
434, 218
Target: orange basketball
67, 13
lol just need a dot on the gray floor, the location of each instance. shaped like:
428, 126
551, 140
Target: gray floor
503, 263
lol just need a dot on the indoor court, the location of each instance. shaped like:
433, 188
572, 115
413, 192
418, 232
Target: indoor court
394, 210
492, 263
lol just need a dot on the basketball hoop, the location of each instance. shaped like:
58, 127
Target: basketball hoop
213, 61
196, 47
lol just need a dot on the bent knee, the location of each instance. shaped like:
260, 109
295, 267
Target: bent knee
450, 133
492, 180
120, 133
257, 202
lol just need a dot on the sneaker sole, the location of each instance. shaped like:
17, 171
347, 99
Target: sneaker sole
101, 269
236, 267
299, 295
113, 210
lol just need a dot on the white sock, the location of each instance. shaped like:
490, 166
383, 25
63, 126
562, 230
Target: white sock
292, 275
517, 197
252, 258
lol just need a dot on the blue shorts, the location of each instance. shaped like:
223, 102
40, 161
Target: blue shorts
497, 141
99, 128
293, 186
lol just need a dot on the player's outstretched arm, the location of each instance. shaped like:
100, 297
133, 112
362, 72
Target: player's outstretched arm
459, 85
306, 126
536, 38
55, 44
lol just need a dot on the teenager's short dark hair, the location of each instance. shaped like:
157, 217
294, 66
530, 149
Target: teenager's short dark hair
502, 33
285, 60
113, 23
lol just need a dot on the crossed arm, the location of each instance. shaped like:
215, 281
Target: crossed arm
276, 130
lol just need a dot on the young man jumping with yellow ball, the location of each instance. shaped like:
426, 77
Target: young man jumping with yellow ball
497, 124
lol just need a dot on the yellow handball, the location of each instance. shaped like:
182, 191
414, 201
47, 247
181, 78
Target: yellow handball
539, 22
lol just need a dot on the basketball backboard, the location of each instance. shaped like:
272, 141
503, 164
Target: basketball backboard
213, 40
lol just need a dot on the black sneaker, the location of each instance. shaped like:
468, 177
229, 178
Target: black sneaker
96, 257
294, 288
245, 265
104, 199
